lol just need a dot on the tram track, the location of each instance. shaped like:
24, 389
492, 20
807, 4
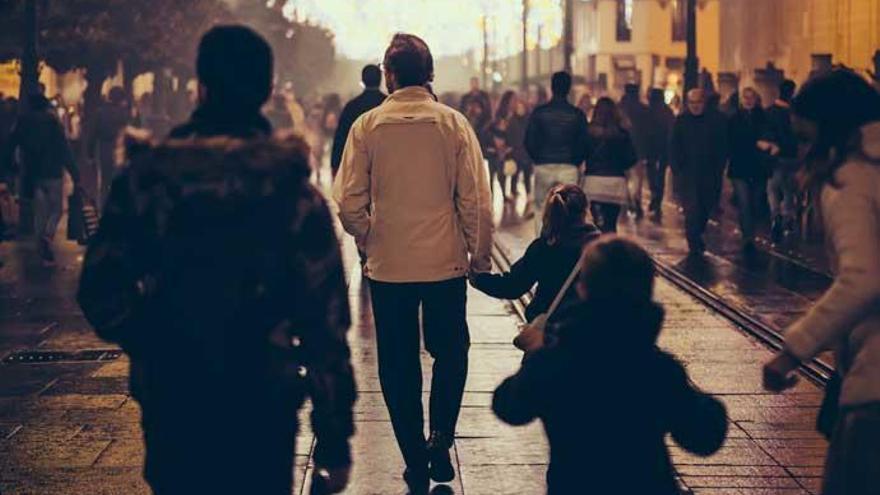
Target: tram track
817, 371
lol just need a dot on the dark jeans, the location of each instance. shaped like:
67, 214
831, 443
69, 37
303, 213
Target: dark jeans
700, 199
605, 216
656, 170
48, 205
444, 325
748, 197
524, 169
853, 464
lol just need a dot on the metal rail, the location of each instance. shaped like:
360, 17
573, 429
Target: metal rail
817, 371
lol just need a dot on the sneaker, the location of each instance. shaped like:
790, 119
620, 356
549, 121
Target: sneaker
418, 482
441, 469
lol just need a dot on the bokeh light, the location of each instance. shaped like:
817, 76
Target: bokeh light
363, 28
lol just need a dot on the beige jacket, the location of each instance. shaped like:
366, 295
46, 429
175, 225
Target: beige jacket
413, 191
847, 317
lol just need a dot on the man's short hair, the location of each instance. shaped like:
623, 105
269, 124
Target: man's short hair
409, 59
371, 76
561, 83
787, 89
235, 64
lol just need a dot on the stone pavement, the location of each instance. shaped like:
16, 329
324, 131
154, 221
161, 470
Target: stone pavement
71, 427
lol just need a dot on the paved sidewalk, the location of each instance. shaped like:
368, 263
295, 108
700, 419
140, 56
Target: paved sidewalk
71, 427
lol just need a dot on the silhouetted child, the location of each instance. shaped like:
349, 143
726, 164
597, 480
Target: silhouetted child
606, 394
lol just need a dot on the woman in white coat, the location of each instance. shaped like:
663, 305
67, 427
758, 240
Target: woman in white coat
839, 113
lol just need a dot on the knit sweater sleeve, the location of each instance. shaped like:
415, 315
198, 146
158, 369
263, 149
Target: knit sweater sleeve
852, 220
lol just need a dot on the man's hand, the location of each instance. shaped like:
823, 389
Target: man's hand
330, 480
778, 375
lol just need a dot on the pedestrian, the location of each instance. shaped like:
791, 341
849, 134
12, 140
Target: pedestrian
585, 103
475, 94
516, 139
698, 156
110, 119
782, 187
550, 258
612, 154
623, 415
637, 121
657, 161
839, 113
217, 269
45, 155
502, 146
751, 147
372, 97
278, 114
415, 196
556, 140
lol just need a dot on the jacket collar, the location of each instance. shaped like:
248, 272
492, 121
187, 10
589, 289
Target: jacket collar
411, 93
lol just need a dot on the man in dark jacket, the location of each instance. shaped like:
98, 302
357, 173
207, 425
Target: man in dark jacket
781, 188
662, 120
372, 97
476, 95
625, 416
699, 154
217, 269
638, 122
45, 154
111, 118
556, 139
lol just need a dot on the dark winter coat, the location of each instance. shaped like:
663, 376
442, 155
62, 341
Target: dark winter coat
617, 403
216, 267
480, 97
638, 120
516, 138
366, 101
662, 120
699, 149
779, 121
543, 264
611, 152
45, 151
746, 128
557, 133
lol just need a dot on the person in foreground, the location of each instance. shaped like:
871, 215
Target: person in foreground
217, 269
839, 113
414, 193
550, 258
625, 407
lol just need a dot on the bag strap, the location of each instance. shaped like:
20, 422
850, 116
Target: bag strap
565, 287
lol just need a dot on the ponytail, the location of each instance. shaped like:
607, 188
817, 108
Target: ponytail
566, 207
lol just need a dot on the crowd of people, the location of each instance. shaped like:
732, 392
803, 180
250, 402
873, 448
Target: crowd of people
218, 241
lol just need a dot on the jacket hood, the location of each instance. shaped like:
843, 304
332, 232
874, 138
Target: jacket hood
871, 141
257, 164
577, 237
615, 323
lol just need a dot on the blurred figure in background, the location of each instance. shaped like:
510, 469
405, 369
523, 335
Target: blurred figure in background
585, 103
556, 142
516, 139
278, 114
611, 155
501, 148
838, 113
657, 158
111, 118
698, 155
781, 188
475, 94
372, 97
637, 121
751, 145
45, 155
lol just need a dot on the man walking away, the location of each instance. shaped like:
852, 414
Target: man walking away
781, 188
557, 142
111, 118
637, 121
45, 155
414, 193
699, 154
217, 269
372, 97
657, 161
